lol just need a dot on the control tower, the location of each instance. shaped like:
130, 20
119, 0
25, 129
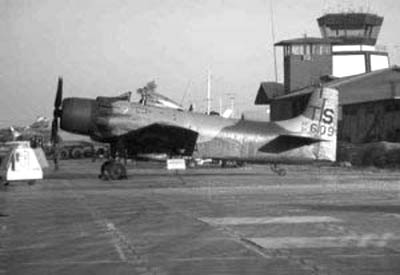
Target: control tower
351, 28
355, 36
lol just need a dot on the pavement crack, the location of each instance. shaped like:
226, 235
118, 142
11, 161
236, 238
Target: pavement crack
125, 250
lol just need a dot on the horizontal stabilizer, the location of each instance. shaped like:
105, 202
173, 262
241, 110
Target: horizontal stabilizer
285, 143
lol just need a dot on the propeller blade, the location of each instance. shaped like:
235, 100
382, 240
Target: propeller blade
54, 131
55, 156
54, 141
54, 124
58, 100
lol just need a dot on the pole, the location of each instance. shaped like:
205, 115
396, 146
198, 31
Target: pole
208, 91
273, 39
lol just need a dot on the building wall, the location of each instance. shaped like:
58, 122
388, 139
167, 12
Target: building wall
358, 123
370, 122
305, 70
288, 108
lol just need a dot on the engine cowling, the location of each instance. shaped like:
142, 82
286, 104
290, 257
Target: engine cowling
77, 115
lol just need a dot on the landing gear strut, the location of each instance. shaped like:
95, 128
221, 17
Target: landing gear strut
278, 170
112, 170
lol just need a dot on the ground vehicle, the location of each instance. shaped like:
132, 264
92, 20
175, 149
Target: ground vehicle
76, 149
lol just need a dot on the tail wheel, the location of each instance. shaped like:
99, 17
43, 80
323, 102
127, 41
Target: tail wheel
113, 170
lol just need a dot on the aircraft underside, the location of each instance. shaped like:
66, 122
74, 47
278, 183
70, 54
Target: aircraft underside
250, 152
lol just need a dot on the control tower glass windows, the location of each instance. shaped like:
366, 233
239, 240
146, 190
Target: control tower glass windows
297, 50
320, 49
351, 28
307, 49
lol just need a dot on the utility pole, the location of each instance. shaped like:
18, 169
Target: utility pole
208, 91
273, 39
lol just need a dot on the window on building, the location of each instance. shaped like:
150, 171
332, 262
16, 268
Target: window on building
379, 62
297, 50
348, 64
355, 33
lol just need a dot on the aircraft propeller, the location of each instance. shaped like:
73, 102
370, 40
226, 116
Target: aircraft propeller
54, 124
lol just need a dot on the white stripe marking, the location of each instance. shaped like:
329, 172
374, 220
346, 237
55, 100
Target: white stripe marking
324, 242
268, 220
111, 228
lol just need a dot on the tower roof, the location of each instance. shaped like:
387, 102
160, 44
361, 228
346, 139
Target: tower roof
307, 40
351, 28
349, 20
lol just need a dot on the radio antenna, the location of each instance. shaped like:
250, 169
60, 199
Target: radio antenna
271, 11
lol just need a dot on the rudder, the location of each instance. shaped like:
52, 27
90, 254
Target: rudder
319, 123
321, 120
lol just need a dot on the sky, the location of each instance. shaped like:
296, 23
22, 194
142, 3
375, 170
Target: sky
103, 47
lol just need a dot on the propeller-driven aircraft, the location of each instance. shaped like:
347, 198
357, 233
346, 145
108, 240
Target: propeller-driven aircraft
135, 128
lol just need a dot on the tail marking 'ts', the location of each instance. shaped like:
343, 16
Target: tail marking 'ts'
318, 122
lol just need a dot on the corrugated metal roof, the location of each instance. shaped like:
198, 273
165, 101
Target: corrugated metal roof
378, 85
267, 91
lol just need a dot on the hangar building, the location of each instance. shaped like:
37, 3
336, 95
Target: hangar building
346, 58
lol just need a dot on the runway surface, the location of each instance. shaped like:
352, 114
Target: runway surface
203, 221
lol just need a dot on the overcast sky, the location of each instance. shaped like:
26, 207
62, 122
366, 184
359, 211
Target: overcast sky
104, 47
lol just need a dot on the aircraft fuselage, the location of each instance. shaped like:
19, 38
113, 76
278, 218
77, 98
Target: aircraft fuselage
219, 138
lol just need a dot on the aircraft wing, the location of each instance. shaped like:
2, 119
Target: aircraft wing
162, 138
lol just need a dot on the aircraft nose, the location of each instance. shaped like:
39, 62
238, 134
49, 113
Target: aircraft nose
77, 115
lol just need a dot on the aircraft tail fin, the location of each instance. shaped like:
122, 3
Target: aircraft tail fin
318, 122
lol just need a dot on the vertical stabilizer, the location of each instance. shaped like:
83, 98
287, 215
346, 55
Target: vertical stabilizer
319, 123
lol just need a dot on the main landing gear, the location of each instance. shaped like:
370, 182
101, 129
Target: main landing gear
112, 170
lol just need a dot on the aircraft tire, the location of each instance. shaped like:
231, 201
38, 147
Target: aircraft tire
64, 154
88, 153
114, 170
100, 153
77, 153
281, 172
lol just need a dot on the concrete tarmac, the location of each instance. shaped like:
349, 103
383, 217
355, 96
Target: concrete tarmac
202, 221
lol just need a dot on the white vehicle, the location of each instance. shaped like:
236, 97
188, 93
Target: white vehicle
18, 162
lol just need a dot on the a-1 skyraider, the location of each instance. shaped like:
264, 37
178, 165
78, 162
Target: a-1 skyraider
134, 129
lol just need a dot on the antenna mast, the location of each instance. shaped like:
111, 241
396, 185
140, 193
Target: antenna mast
271, 11
208, 91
